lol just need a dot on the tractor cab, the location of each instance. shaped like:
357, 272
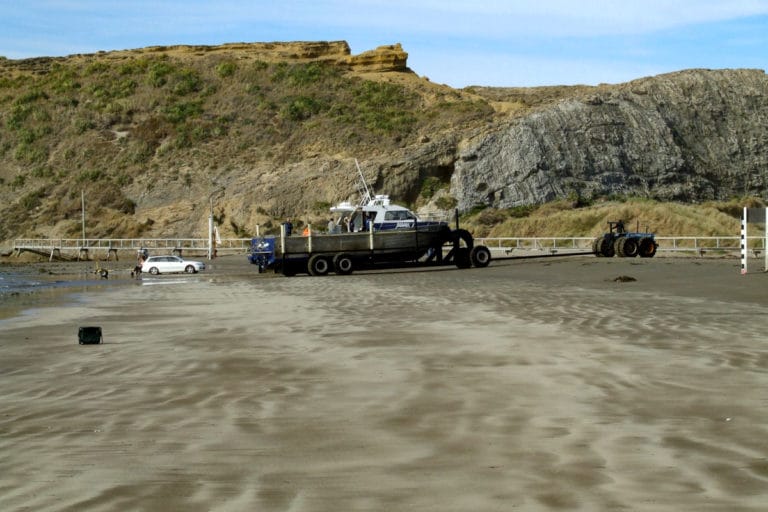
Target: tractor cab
616, 226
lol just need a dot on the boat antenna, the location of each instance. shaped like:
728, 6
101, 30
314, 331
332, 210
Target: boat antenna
366, 193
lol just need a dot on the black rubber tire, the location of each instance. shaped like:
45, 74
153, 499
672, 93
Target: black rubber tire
647, 248
318, 265
596, 246
618, 247
480, 256
343, 264
462, 235
606, 247
154, 271
190, 269
630, 247
461, 257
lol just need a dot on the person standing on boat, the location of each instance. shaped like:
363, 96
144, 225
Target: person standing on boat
356, 224
331, 226
288, 226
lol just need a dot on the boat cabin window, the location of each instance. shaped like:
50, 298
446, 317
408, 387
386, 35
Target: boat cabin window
398, 215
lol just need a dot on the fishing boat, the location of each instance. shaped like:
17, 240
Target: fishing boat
372, 233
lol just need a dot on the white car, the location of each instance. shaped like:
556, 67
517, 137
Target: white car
168, 264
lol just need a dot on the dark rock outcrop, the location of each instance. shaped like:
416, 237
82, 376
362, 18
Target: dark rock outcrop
692, 135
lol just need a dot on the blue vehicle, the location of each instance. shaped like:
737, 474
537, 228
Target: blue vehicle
262, 252
625, 244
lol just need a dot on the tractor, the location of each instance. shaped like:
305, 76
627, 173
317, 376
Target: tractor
625, 244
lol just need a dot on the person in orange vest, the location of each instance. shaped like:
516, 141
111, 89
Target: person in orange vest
306, 231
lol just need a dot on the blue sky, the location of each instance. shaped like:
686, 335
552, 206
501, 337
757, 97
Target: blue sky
459, 43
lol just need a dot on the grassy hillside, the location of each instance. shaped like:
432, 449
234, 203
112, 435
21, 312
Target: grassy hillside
561, 218
147, 134
119, 126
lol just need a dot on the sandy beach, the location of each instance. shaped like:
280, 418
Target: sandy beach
533, 385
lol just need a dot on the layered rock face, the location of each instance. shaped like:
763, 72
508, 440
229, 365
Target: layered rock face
383, 58
692, 135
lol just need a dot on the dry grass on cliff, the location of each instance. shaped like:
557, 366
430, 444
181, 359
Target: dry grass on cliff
562, 218
159, 126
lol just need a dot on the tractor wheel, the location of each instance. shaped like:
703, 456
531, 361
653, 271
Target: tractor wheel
480, 256
318, 265
596, 243
630, 247
618, 247
647, 248
342, 264
606, 247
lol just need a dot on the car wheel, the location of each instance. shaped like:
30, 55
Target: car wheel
190, 269
154, 271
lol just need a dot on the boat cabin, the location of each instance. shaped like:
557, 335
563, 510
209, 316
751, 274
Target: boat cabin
379, 210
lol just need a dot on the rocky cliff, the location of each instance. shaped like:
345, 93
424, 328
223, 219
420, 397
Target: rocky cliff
151, 135
690, 136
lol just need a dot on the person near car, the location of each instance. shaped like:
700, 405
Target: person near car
139, 262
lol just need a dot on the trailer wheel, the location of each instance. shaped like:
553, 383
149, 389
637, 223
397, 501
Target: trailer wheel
288, 270
647, 248
462, 235
318, 265
461, 258
480, 256
342, 264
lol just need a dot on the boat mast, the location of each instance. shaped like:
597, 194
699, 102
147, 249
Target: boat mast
366, 194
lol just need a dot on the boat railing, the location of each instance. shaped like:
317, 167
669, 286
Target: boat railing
436, 216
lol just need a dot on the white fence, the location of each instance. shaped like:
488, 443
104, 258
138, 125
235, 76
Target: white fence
110, 246
697, 245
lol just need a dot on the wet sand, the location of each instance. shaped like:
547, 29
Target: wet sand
530, 385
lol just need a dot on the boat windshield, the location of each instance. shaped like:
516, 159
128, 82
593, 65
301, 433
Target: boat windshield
399, 215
